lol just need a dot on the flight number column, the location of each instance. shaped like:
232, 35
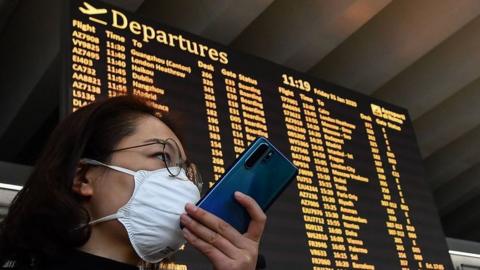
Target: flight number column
86, 84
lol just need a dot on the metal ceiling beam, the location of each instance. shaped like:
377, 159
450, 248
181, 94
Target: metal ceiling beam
43, 100
392, 40
6, 9
14, 174
463, 223
458, 190
451, 118
218, 20
310, 31
471, 232
449, 67
6, 197
130, 5
453, 159
30, 77
32, 32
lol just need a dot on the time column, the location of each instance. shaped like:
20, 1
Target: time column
116, 64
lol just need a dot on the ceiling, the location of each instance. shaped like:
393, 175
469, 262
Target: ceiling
421, 55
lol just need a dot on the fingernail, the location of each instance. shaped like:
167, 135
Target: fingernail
184, 218
239, 194
190, 207
186, 233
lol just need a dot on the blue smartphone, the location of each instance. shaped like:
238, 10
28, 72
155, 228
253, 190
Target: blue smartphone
261, 171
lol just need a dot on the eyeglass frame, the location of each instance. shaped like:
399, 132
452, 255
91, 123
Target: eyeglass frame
184, 163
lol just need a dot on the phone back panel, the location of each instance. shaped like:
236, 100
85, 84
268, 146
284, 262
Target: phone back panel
264, 181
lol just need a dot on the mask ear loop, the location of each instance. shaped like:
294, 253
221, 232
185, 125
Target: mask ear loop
103, 219
94, 162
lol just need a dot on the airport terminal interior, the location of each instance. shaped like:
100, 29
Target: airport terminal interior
377, 102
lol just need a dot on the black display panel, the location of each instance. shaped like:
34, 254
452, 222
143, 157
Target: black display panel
360, 200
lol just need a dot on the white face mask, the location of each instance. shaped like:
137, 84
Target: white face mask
152, 215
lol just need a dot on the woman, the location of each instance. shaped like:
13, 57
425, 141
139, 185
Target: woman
111, 175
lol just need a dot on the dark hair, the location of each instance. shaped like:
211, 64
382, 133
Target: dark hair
43, 215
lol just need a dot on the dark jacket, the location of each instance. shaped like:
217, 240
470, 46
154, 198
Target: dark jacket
72, 260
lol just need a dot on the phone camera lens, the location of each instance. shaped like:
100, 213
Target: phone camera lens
268, 156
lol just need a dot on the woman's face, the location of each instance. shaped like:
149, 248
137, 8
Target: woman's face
112, 189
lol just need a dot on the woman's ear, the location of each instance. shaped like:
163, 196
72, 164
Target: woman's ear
82, 182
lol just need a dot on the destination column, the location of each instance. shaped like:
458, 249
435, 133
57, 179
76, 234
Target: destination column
333, 222
144, 68
350, 247
335, 175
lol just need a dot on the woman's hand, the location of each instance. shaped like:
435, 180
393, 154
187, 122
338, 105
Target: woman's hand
224, 246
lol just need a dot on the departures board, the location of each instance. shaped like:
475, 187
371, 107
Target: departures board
360, 200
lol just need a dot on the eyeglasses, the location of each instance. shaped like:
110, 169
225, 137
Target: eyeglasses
172, 158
